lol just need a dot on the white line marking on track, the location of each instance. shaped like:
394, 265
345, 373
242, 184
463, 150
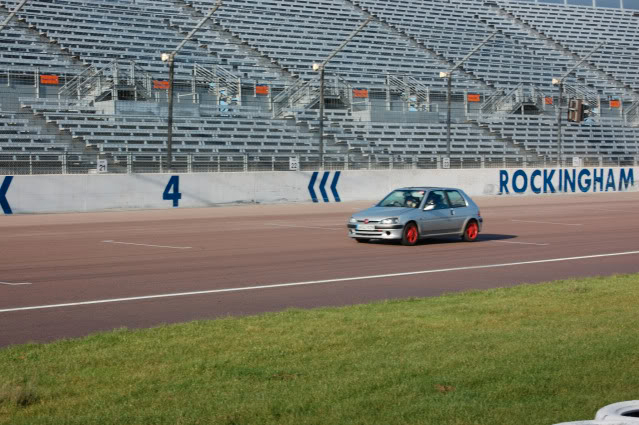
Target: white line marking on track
523, 243
611, 209
315, 282
305, 227
153, 246
547, 222
15, 283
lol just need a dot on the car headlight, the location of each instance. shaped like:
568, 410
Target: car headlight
352, 220
393, 220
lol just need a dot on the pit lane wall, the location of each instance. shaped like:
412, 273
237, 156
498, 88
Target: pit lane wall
104, 192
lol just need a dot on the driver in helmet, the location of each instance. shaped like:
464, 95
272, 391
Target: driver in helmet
410, 201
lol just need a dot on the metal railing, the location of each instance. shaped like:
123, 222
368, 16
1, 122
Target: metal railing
632, 114
413, 92
302, 95
93, 82
225, 85
133, 163
292, 95
504, 103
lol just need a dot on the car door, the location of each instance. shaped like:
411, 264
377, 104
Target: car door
436, 220
459, 210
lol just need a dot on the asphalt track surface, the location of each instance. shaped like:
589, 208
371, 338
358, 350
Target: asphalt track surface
69, 275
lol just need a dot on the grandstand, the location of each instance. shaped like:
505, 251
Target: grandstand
84, 79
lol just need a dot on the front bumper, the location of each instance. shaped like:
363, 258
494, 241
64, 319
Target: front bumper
382, 231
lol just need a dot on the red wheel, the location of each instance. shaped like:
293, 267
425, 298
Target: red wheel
471, 231
411, 234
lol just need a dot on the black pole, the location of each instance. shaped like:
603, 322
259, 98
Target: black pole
559, 118
321, 120
169, 132
448, 118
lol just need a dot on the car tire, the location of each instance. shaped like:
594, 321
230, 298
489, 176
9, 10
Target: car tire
625, 412
410, 236
361, 240
471, 231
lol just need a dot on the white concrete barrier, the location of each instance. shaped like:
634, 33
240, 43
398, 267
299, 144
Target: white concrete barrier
98, 192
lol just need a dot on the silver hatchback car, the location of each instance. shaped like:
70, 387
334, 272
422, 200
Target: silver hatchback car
411, 213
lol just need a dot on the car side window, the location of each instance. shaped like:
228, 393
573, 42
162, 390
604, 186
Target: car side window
438, 199
456, 199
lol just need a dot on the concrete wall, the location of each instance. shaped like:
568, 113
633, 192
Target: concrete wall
74, 193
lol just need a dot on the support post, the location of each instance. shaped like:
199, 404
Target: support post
560, 83
37, 82
170, 57
448, 114
194, 85
449, 76
320, 67
169, 130
388, 93
559, 123
321, 120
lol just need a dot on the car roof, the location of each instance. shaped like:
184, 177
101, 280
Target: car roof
427, 188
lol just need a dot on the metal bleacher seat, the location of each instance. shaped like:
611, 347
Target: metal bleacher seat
411, 38
581, 28
148, 133
539, 134
17, 135
305, 32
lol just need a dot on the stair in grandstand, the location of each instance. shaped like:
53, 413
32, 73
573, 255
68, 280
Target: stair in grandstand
270, 65
224, 85
23, 135
337, 139
507, 141
44, 113
64, 59
62, 136
590, 96
110, 82
522, 99
415, 94
632, 114
594, 73
305, 94
445, 62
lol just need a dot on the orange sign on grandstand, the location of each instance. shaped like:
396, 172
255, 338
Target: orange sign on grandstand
261, 89
548, 100
160, 85
474, 97
615, 103
360, 93
49, 79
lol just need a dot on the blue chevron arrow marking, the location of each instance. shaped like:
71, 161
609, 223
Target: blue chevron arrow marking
3, 192
311, 191
323, 184
334, 186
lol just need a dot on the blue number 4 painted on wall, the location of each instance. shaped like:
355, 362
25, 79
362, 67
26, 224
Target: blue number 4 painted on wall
175, 196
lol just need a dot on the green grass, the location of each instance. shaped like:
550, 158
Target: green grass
534, 354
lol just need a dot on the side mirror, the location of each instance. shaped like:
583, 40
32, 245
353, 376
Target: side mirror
429, 207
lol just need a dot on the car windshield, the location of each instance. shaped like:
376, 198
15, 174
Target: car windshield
403, 198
